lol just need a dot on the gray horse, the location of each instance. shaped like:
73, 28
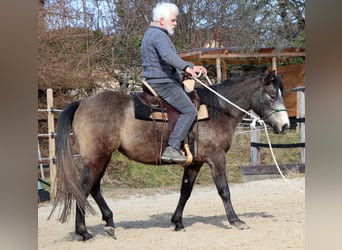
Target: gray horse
106, 122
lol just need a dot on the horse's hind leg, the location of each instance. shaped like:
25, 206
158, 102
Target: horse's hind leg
107, 214
87, 180
189, 177
91, 177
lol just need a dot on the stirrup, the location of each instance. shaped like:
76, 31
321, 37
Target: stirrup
189, 156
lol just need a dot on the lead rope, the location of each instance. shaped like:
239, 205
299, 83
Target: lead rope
253, 124
275, 161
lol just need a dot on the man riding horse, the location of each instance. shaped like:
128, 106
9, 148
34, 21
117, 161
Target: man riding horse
162, 67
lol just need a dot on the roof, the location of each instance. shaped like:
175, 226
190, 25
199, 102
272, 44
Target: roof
241, 56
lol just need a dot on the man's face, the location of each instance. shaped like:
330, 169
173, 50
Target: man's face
169, 23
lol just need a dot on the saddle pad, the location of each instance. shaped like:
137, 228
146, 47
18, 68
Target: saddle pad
144, 112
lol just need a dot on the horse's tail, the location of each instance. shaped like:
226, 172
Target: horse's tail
68, 172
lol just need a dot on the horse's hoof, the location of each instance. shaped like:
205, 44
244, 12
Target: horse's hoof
86, 236
92, 238
241, 225
110, 231
179, 227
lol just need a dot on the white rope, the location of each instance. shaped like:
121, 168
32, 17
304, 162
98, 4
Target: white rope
253, 124
276, 163
236, 106
206, 77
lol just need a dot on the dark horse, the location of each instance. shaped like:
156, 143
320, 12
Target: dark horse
106, 122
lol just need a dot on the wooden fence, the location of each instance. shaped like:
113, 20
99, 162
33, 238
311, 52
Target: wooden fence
51, 137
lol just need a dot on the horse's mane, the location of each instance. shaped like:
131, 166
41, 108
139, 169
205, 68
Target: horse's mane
212, 101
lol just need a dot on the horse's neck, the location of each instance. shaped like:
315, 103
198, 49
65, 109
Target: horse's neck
239, 95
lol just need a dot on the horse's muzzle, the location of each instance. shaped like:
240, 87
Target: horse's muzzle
281, 130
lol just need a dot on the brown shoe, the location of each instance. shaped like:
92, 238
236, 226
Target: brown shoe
173, 155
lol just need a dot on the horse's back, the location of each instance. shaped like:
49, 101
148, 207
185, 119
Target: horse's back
104, 107
99, 118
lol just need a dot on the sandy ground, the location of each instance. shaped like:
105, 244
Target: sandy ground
273, 210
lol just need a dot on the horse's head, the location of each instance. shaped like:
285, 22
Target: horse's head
270, 105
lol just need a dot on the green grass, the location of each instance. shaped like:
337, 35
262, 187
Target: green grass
288, 155
125, 173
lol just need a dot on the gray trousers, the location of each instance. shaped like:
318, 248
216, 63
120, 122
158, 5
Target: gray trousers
173, 93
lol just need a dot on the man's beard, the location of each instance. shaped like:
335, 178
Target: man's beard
170, 31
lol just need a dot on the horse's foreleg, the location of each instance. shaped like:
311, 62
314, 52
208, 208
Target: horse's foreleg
107, 214
218, 169
189, 177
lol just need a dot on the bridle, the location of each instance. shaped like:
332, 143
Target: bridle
261, 102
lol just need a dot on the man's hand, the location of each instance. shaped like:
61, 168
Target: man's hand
193, 71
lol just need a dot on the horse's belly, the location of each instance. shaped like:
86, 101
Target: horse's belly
141, 143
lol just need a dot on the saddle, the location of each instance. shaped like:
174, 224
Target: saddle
157, 109
162, 111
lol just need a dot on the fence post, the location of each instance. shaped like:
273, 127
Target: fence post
274, 64
301, 114
218, 69
255, 152
51, 131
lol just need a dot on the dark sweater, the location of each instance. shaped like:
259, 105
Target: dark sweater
159, 57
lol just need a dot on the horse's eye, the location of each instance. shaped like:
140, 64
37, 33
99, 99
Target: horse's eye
272, 96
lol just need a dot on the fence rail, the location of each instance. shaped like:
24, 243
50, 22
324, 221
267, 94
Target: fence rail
270, 169
277, 145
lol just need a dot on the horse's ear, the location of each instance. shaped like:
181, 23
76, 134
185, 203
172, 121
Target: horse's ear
269, 78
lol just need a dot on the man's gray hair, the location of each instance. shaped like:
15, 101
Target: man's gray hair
163, 10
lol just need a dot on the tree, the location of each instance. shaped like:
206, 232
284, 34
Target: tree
78, 39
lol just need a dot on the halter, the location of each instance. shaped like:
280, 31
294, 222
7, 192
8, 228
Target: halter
272, 112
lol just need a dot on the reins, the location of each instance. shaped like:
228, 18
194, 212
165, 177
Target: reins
253, 124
